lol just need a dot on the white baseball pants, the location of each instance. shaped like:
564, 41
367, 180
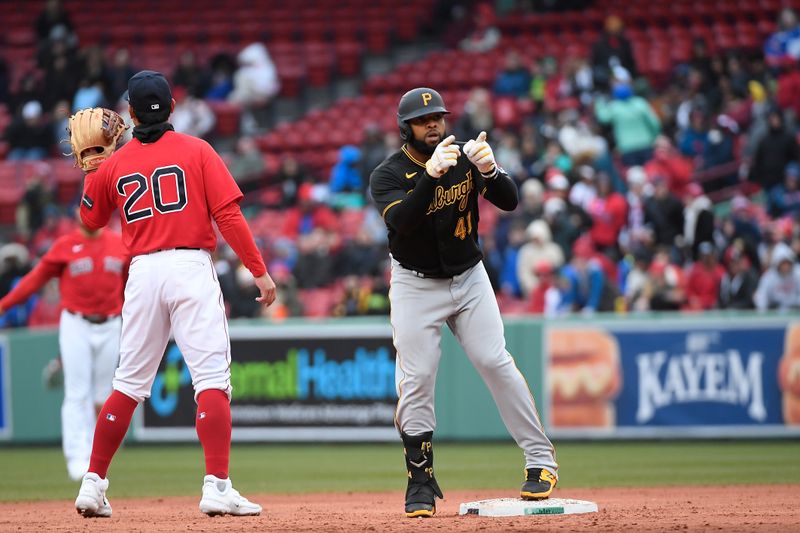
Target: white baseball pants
89, 355
173, 291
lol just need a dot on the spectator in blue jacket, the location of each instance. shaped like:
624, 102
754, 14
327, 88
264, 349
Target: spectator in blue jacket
584, 280
784, 199
509, 282
345, 175
692, 141
514, 79
784, 43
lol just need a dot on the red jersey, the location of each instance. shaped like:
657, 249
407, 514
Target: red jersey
91, 271
702, 286
166, 192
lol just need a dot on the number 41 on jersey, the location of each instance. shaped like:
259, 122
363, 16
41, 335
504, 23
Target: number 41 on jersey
463, 229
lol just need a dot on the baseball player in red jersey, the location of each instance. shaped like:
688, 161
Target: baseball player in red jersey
91, 267
168, 187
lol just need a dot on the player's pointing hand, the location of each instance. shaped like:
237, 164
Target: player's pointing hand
267, 288
480, 154
444, 156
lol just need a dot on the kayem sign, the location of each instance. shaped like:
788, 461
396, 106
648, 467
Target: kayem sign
289, 383
681, 379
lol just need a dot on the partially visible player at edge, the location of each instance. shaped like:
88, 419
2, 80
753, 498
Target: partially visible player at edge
91, 267
168, 186
428, 195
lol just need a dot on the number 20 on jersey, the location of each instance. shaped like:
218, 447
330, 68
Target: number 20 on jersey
135, 186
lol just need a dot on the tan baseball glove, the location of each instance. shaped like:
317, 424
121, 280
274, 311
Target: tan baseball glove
93, 134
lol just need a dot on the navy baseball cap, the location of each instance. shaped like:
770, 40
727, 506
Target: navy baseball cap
149, 95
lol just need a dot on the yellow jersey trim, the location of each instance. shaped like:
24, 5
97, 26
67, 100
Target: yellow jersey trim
411, 157
389, 207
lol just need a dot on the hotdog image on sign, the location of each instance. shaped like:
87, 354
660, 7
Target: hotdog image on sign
585, 377
789, 375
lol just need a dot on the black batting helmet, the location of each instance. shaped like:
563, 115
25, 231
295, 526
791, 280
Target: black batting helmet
416, 103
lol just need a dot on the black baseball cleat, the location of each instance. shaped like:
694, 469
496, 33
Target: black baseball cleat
422, 487
539, 483
419, 509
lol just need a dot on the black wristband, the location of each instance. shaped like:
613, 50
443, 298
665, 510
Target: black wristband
490, 175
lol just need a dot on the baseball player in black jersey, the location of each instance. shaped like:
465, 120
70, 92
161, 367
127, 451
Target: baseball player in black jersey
428, 195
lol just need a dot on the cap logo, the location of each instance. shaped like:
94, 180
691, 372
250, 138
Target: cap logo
155, 106
426, 97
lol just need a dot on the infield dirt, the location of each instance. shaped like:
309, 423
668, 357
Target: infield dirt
697, 508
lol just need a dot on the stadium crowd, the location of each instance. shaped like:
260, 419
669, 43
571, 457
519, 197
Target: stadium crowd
637, 193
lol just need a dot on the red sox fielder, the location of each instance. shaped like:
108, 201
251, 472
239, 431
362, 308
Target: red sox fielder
91, 267
168, 187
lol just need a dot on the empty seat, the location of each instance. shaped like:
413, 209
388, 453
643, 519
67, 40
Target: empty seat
228, 116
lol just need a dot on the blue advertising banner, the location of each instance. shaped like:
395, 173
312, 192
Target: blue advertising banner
707, 378
700, 377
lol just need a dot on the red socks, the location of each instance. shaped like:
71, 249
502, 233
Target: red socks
112, 424
213, 430
213, 424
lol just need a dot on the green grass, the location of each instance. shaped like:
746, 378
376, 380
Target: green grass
39, 473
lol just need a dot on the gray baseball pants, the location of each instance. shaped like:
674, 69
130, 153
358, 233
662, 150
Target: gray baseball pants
466, 302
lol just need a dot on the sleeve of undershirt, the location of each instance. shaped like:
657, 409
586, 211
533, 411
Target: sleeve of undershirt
237, 234
31, 282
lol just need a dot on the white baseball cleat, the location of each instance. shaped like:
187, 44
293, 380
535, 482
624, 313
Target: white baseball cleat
91, 501
220, 498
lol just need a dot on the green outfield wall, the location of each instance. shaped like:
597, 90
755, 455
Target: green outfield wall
645, 377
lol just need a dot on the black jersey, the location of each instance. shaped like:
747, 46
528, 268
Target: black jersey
433, 223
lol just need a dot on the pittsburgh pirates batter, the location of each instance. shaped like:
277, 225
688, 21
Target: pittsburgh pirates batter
428, 195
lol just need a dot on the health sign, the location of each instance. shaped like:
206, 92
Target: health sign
288, 383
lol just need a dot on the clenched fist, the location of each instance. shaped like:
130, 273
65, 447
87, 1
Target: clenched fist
444, 156
480, 154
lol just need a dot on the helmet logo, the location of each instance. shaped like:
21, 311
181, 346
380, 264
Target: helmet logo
426, 97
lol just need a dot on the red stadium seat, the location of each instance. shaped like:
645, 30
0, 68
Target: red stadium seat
68, 178
319, 303
228, 118
348, 58
20, 37
10, 197
506, 114
350, 222
292, 79
377, 35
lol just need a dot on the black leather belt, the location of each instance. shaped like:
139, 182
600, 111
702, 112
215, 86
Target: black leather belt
168, 249
423, 274
94, 318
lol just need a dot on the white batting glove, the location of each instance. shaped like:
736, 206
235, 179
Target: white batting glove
480, 154
444, 157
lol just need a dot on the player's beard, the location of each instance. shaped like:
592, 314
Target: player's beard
423, 147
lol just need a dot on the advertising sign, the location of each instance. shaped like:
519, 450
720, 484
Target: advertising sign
704, 378
288, 383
